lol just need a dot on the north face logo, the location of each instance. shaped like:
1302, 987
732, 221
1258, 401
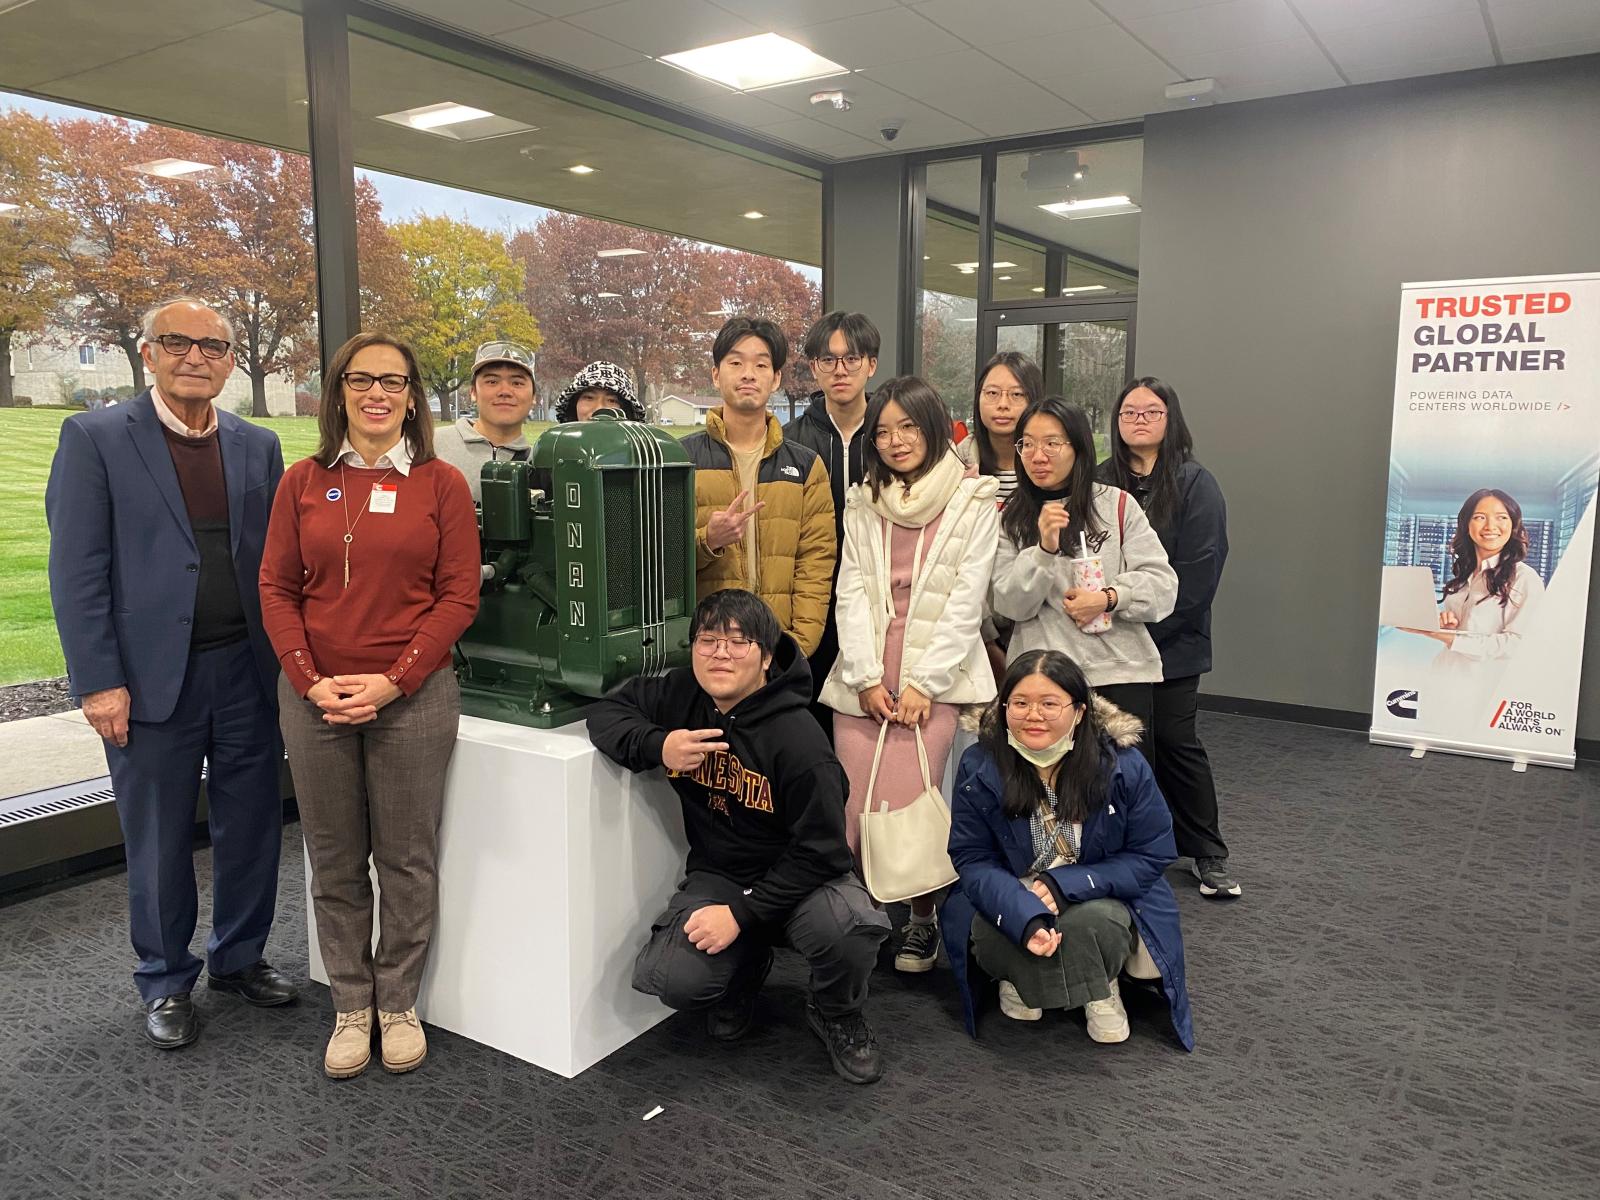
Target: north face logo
794, 471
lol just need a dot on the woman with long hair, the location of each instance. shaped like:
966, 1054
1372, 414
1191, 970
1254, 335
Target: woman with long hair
1152, 459
1491, 589
371, 573
1058, 513
1061, 837
1006, 385
919, 540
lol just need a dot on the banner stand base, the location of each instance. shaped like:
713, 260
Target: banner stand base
1519, 760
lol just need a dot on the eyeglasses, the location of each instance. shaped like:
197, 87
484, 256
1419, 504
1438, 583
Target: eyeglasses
907, 433
1015, 395
831, 362
1052, 447
177, 345
360, 381
707, 644
1048, 709
1141, 416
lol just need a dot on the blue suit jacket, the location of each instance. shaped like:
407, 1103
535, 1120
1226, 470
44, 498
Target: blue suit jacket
124, 566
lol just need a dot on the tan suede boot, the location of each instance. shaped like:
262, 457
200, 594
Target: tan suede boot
404, 1045
350, 1047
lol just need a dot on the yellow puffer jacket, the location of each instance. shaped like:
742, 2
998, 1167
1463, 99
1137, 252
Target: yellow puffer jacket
794, 531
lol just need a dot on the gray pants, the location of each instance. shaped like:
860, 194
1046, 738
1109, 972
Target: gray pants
836, 929
373, 791
1096, 938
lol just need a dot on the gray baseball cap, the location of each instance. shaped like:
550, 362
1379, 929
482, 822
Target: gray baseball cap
502, 352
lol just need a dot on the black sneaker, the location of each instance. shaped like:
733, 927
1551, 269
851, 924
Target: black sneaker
1215, 882
730, 1018
851, 1046
919, 948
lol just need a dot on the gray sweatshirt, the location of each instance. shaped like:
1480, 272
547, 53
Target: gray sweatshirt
465, 449
1029, 585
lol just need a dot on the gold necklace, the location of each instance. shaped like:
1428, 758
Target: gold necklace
350, 526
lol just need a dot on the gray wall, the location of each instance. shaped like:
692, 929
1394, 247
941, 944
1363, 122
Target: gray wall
1275, 237
865, 218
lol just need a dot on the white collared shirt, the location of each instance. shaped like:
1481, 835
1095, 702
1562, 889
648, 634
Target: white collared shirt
170, 419
397, 457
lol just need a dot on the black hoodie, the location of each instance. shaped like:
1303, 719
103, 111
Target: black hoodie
768, 812
815, 428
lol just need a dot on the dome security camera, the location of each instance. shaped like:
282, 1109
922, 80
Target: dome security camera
891, 128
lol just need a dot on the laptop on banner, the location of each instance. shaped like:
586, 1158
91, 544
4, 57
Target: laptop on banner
1406, 601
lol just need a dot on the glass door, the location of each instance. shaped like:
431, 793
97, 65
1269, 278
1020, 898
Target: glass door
1084, 349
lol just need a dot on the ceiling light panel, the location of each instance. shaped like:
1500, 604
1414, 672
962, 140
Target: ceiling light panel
1095, 206
749, 64
618, 252
457, 122
171, 168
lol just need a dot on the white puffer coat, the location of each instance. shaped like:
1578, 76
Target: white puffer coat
943, 655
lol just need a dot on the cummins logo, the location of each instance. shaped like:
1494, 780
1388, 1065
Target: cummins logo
1403, 703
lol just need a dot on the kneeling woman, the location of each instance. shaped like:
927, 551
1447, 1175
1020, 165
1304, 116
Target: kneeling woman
1061, 836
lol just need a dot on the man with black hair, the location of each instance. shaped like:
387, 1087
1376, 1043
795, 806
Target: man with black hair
763, 806
763, 504
842, 352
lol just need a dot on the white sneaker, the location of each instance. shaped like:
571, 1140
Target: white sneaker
1108, 1020
1011, 1004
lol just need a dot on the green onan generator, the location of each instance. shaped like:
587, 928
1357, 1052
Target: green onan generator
588, 551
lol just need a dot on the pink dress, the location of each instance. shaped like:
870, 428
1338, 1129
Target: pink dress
855, 738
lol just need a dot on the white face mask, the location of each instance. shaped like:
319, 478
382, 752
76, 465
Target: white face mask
1050, 755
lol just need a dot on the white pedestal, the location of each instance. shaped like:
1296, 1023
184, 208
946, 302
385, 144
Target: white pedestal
553, 861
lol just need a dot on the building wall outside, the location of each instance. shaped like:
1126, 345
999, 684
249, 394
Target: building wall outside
1276, 235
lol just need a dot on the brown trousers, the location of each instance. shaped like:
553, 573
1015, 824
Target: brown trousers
374, 790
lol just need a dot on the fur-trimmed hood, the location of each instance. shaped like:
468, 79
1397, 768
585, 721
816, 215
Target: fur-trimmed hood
1123, 728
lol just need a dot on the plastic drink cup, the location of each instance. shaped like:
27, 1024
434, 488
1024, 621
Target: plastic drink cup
1089, 575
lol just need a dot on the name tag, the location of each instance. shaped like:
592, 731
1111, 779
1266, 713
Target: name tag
383, 497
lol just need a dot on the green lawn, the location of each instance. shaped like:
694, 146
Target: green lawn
29, 648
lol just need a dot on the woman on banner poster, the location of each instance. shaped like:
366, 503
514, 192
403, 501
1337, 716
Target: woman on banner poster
1491, 590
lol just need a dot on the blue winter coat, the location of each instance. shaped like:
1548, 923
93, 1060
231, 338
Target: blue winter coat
1125, 847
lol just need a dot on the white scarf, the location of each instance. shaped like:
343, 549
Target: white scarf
913, 506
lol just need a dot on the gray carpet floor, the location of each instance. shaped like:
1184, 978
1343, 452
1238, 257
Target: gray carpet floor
1406, 1002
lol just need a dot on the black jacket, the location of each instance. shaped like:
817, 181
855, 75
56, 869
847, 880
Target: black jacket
1195, 538
815, 428
768, 812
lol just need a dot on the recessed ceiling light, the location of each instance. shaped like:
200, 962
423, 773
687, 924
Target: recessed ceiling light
754, 215
609, 295
619, 252
1004, 278
1038, 289
1087, 287
171, 168
967, 320
1097, 206
926, 257
969, 268
458, 122
580, 169
763, 61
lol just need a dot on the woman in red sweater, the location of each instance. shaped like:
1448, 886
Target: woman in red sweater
369, 577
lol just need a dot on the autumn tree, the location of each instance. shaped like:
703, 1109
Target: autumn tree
389, 299
33, 234
469, 290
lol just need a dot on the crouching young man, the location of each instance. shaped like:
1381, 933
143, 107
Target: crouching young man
763, 805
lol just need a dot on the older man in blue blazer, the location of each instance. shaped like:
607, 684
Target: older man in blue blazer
158, 513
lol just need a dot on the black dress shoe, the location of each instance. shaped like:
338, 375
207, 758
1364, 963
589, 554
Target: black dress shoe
259, 983
170, 1022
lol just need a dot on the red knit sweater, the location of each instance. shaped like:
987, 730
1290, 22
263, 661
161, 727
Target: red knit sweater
414, 574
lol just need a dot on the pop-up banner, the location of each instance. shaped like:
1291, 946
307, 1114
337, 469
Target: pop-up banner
1492, 474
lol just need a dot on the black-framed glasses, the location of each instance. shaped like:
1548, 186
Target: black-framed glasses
177, 345
707, 644
830, 362
360, 381
1141, 416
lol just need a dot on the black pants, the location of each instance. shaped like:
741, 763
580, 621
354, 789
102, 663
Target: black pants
1135, 699
836, 929
821, 663
1182, 770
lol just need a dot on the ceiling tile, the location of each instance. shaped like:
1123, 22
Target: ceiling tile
779, 14
658, 27
475, 16
1133, 10
1416, 67
1120, 94
1295, 63
568, 46
1520, 23
562, 8
872, 105
1558, 50
1217, 27
1421, 39
981, 91
1061, 56
987, 24
817, 137
1267, 90
1324, 15
868, 40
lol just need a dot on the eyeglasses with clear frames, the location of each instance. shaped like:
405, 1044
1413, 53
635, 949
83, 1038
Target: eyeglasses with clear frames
1052, 447
1048, 709
829, 363
1015, 395
1141, 416
707, 645
905, 432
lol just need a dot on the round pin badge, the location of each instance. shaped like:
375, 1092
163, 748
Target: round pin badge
334, 493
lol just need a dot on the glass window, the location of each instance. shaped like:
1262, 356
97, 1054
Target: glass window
947, 313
